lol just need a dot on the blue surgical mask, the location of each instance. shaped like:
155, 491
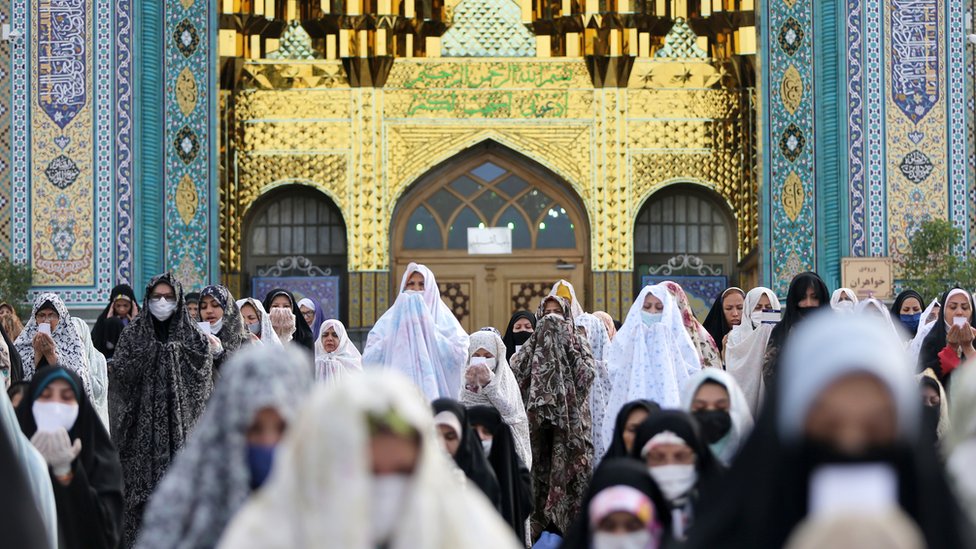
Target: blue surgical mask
650, 319
255, 328
259, 461
911, 321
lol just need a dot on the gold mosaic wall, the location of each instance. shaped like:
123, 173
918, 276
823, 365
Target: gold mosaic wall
301, 122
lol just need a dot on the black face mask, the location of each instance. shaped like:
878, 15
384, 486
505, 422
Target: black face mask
803, 312
521, 337
814, 454
930, 424
715, 424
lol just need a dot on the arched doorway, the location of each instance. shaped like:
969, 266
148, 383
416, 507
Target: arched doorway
491, 186
687, 234
295, 238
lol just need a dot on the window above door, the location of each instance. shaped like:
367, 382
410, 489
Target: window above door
487, 193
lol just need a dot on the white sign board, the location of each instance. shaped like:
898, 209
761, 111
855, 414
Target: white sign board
489, 240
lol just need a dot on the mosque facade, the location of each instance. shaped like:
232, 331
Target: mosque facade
322, 145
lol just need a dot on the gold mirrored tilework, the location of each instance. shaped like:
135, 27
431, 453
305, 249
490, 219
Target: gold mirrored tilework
646, 98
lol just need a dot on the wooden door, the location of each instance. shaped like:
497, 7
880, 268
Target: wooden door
490, 187
486, 294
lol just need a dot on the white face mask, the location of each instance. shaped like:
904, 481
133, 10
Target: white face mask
674, 480
216, 326
413, 292
486, 446
51, 416
478, 360
845, 306
387, 493
651, 319
162, 309
640, 539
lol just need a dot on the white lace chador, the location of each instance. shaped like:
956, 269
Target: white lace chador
502, 393
333, 367
650, 362
747, 346
420, 338
267, 335
320, 491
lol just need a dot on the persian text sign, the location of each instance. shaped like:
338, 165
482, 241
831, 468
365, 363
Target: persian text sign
868, 276
493, 240
915, 56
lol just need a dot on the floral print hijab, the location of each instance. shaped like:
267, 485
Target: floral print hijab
555, 371
699, 335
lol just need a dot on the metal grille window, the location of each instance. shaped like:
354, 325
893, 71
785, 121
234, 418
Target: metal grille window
302, 223
682, 223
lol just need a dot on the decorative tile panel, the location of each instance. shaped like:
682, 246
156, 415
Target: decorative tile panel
790, 215
874, 97
62, 146
190, 130
122, 27
5, 139
971, 131
907, 116
855, 125
959, 206
915, 116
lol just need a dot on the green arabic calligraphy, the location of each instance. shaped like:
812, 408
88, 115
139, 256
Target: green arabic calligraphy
495, 104
484, 76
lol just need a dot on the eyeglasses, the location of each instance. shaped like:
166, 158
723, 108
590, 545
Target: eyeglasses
168, 297
46, 316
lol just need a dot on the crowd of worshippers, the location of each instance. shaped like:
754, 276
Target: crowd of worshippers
198, 420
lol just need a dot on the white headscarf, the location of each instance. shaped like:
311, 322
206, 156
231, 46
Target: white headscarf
746, 348
750, 320
320, 491
649, 362
726, 448
420, 337
924, 327
599, 340
835, 300
952, 293
502, 392
268, 336
827, 348
864, 308
333, 367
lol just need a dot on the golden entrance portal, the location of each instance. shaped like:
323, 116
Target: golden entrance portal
490, 186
